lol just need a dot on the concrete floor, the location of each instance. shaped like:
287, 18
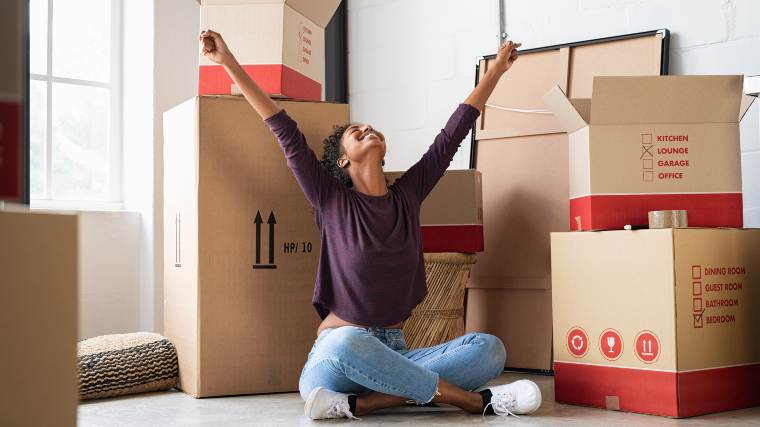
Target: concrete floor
174, 408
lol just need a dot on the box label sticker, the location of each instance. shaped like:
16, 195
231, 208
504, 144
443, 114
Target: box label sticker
305, 35
611, 344
577, 342
669, 153
716, 294
647, 346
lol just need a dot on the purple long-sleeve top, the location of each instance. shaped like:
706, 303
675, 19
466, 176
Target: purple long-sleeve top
371, 269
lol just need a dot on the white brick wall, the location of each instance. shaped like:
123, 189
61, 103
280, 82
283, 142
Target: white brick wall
412, 61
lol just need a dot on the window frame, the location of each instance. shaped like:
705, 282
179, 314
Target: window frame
114, 149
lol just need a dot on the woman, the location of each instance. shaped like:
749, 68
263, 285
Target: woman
371, 271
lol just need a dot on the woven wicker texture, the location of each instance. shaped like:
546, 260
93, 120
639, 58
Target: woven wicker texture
115, 365
440, 317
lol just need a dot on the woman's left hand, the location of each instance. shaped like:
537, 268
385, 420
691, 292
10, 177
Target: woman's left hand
506, 56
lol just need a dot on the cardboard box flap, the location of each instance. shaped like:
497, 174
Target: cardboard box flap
319, 11
747, 102
568, 112
666, 99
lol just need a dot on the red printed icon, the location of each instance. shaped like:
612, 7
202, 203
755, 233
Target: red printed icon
611, 344
647, 347
577, 342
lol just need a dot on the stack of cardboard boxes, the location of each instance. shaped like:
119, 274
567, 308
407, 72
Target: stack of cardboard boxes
521, 150
240, 241
660, 321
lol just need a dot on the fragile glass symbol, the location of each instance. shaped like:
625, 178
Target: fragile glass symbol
646, 348
611, 344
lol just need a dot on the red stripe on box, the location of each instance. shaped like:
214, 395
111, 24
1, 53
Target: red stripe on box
297, 86
682, 394
275, 79
610, 212
637, 390
720, 389
10, 150
452, 238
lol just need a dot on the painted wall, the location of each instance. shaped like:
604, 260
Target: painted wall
411, 61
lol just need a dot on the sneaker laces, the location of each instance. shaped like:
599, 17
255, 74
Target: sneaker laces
339, 409
502, 404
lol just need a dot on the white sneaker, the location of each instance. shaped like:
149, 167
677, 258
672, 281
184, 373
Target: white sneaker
323, 403
519, 397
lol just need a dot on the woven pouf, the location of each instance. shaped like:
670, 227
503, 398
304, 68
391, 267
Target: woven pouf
440, 317
115, 365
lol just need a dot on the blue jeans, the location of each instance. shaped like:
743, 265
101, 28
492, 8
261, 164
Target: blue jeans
356, 360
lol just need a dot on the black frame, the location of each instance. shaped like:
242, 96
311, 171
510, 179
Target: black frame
664, 65
25, 99
336, 56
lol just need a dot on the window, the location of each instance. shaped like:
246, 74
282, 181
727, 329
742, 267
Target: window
75, 104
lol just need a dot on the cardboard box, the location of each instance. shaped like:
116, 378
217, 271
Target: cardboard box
451, 216
12, 74
654, 143
279, 43
240, 245
496, 311
522, 152
657, 321
38, 311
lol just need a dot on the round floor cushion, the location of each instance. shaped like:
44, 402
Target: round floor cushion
115, 365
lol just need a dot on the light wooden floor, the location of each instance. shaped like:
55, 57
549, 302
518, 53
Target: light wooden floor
174, 408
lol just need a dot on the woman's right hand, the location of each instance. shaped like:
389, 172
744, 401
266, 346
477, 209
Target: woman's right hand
214, 48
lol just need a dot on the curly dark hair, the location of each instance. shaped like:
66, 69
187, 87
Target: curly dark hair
333, 149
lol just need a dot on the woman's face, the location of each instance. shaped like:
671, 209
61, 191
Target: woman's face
362, 143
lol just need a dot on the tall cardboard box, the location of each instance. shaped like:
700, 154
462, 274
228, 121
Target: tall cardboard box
241, 246
657, 321
12, 87
38, 314
451, 216
522, 151
279, 43
649, 143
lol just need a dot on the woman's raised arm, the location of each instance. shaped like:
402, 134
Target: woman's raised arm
215, 49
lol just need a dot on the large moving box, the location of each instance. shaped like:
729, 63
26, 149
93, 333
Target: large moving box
657, 321
38, 314
12, 88
451, 216
652, 143
241, 246
521, 150
279, 43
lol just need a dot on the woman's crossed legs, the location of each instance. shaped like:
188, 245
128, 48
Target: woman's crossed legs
375, 365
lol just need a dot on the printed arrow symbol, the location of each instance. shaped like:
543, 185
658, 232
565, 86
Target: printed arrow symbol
258, 221
271, 221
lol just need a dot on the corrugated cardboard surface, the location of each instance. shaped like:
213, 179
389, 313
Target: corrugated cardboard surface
320, 11
695, 291
615, 164
727, 308
456, 199
517, 317
272, 33
38, 311
254, 323
615, 279
524, 185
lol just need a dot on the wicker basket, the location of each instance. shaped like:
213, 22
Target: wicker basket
440, 317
